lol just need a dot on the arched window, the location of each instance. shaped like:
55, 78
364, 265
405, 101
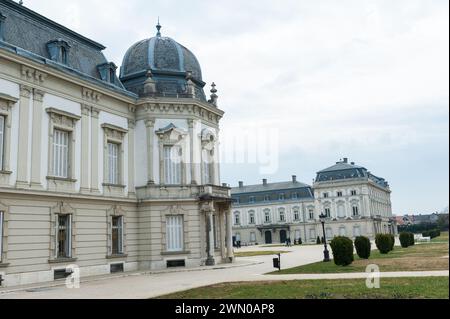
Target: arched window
267, 216
237, 218
282, 216
296, 211
251, 217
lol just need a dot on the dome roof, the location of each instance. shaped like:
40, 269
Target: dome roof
170, 64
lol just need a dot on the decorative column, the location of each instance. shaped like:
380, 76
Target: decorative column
191, 151
24, 113
131, 189
36, 137
210, 237
150, 124
95, 150
229, 232
85, 113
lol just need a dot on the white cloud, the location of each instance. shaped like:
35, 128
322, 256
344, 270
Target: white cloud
331, 76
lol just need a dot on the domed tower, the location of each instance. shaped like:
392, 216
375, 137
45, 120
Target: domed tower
169, 68
177, 152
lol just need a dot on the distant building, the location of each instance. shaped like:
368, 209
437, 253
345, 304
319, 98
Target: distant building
355, 201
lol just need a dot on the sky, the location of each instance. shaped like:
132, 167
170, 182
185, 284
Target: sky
305, 83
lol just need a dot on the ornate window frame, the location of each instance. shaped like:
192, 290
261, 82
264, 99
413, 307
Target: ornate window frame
171, 136
116, 211
175, 210
64, 121
296, 209
6, 104
113, 134
251, 213
267, 212
62, 208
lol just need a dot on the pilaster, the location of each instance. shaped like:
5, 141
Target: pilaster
150, 124
94, 147
85, 149
22, 158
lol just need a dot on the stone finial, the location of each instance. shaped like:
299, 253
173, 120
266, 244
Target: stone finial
149, 84
158, 27
213, 95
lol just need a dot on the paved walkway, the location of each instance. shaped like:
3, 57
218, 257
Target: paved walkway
152, 284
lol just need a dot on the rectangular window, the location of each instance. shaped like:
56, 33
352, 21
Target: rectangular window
63, 236
117, 235
339, 194
60, 153
2, 137
266, 198
174, 233
325, 195
252, 218
252, 237
267, 216
312, 233
353, 192
113, 163
327, 212
172, 164
281, 196
1, 235
311, 214
251, 199
296, 215
355, 211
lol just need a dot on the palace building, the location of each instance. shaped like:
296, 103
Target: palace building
109, 173
354, 201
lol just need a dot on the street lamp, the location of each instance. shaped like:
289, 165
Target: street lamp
326, 253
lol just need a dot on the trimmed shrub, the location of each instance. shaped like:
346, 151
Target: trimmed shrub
431, 233
318, 240
392, 241
411, 239
383, 243
362, 245
342, 248
405, 239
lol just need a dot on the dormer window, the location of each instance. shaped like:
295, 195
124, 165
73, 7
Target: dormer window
58, 51
107, 72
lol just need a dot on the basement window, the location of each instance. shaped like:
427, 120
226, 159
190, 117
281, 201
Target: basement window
113, 268
176, 263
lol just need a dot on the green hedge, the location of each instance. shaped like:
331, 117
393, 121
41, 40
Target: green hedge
432, 233
392, 242
342, 248
411, 239
362, 245
383, 243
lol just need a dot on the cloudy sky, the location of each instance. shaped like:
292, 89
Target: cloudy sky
363, 79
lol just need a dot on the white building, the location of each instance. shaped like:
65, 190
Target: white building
355, 201
108, 173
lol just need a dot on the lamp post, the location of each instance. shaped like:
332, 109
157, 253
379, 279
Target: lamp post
326, 253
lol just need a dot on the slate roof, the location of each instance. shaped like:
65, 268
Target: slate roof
27, 33
267, 188
344, 170
168, 61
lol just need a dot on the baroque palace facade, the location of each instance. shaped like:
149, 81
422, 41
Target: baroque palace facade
110, 173
355, 203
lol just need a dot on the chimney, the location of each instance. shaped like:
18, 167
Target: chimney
345, 160
241, 184
294, 179
264, 181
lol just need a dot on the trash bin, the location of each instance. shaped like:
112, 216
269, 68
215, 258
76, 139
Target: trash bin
276, 263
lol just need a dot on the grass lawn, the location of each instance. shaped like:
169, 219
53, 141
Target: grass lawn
390, 288
413, 258
260, 253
